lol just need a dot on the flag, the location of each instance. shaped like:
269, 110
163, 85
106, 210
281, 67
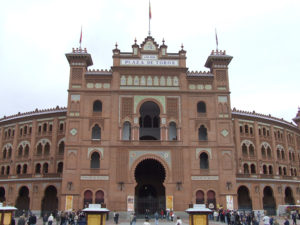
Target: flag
149, 11
80, 40
216, 38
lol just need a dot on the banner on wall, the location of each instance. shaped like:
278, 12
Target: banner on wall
169, 202
69, 202
130, 203
229, 202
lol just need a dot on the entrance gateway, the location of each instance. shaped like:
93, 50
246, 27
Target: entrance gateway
150, 195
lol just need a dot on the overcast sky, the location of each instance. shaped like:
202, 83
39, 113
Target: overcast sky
262, 35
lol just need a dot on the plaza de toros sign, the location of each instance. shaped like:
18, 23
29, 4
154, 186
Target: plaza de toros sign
149, 60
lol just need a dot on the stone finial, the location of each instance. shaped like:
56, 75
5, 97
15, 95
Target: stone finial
116, 45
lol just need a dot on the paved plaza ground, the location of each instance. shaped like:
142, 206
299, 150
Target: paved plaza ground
164, 222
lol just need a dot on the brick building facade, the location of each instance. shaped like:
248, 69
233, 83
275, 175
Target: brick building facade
151, 132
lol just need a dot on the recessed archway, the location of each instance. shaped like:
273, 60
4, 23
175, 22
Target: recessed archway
50, 201
2, 194
289, 198
269, 203
244, 200
23, 200
149, 191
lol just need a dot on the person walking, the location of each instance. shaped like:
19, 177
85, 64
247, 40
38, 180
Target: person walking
294, 218
116, 217
134, 219
45, 219
50, 219
286, 221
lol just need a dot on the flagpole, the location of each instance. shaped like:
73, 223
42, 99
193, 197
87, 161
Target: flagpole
149, 18
80, 40
216, 39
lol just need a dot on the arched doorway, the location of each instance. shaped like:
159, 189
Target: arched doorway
211, 199
269, 203
244, 200
199, 197
50, 201
149, 121
289, 198
23, 200
149, 192
2, 194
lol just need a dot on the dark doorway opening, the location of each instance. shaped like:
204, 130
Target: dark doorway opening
269, 203
2, 194
22, 202
50, 201
149, 192
289, 198
244, 200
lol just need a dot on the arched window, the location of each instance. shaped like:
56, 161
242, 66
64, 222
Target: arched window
20, 151
295, 172
246, 129
284, 171
270, 169
96, 132
201, 107
290, 156
24, 169
147, 122
251, 130
246, 168
95, 160
292, 172
278, 154
280, 170
263, 152
99, 197
26, 153
45, 168
19, 169
282, 155
7, 170
199, 197
253, 169
47, 149
38, 168
126, 134
4, 153
88, 198
44, 127
61, 148
39, 149
269, 153
60, 167
251, 150
202, 133
172, 131
97, 106
2, 170
204, 164
244, 150
156, 122
61, 126
265, 171
9, 152
241, 129
264, 131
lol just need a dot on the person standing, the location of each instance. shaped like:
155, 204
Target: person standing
134, 219
45, 219
266, 220
294, 218
286, 221
116, 217
156, 216
32, 219
178, 221
21, 220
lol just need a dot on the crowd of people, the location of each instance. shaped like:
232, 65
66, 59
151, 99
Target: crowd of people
233, 217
